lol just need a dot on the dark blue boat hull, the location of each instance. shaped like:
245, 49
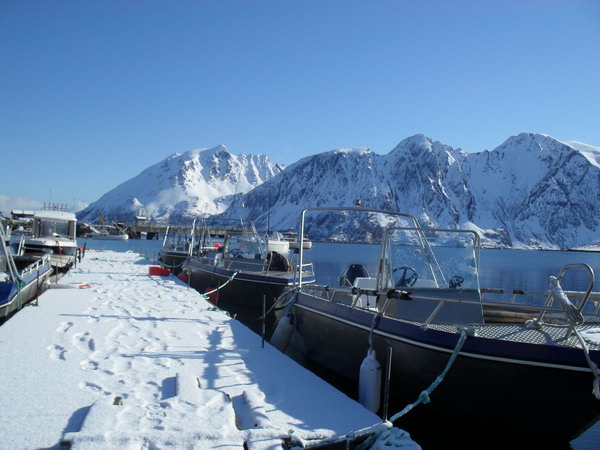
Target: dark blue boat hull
13, 298
243, 296
511, 386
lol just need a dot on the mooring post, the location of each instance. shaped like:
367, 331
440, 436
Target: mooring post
263, 320
388, 376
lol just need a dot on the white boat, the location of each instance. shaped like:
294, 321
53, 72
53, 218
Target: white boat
276, 243
292, 237
53, 233
105, 235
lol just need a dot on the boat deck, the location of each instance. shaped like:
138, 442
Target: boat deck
520, 333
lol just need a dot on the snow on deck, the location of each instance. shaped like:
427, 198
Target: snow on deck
144, 362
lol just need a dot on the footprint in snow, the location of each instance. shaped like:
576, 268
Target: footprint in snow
64, 327
97, 389
56, 352
88, 364
84, 342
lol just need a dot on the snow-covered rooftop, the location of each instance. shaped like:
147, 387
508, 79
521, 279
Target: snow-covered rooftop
54, 215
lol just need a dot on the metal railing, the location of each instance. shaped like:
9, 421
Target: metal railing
346, 295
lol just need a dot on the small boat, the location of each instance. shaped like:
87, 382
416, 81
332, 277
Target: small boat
425, 307
53, 233
21, 279
241, 273
176, 248
105, 235
276, 242
292, 237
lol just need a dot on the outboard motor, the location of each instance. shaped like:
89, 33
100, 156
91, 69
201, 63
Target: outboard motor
277, 262
352, 273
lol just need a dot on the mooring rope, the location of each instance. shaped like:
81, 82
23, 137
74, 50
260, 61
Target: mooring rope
383, 435
592, 364
424, 395
206, 294
20, 283
169, 266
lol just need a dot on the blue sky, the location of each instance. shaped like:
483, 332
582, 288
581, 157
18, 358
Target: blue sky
92, 92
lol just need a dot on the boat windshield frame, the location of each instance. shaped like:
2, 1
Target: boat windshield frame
301, 237
427, 258
244, 227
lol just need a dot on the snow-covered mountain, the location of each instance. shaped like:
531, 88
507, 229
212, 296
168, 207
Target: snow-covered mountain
186, 185
531, 191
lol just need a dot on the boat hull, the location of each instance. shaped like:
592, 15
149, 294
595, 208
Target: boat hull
62, 257
109, 237
522, 395
34, 285
241, 296
173, 260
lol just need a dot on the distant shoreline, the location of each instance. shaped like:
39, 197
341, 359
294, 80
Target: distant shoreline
587, 250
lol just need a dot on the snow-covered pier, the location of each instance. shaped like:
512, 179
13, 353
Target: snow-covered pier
135, 361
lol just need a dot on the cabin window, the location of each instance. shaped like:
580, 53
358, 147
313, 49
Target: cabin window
52, 228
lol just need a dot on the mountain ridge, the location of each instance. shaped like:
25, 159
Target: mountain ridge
531, 191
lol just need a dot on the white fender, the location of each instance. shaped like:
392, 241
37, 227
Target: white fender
283, 333
369, 383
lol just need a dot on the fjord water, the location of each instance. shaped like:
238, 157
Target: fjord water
499, 268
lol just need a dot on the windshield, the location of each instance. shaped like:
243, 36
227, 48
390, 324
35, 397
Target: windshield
54, 228
246, 245
431, 258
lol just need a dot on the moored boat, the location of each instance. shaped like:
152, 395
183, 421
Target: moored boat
105, 235
53, 233
176, 248
292, 237
275, 242
241, 272
425, 305
21, 279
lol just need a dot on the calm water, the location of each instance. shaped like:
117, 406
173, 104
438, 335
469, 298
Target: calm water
507, 269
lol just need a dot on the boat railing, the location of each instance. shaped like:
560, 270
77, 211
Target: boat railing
307, 271
39, 262
347, 295
516, 294
21, 246
582, 303
237, 263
